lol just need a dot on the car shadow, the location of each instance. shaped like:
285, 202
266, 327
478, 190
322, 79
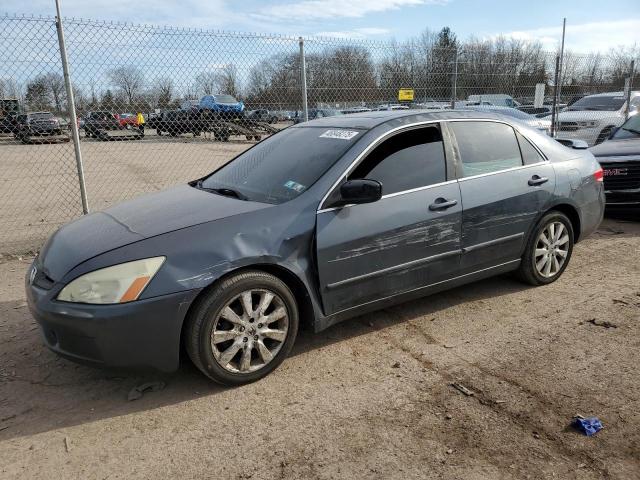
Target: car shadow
40, 391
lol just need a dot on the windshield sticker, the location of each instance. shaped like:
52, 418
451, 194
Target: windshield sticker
295, 186
340, 134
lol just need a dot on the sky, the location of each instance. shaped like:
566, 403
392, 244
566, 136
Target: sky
591, 26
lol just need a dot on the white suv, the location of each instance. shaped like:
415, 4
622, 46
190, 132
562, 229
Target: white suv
593, 118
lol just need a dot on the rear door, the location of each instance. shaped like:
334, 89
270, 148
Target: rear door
406, 240
505, 183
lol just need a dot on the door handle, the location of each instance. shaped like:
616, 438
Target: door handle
537, 180
442, 204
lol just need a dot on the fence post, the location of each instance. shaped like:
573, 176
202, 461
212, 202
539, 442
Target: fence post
554, 107
629, 87
71, 105
303, 81
454, 80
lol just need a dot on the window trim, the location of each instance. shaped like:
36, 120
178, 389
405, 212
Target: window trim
447, 173
450, 143
375, 143
458, 157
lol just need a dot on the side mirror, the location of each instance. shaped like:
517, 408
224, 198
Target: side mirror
360, 191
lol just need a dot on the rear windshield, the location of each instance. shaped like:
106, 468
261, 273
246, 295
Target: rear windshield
609, 104
225, 99
284, 165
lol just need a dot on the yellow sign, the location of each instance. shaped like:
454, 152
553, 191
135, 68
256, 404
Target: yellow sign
405, 94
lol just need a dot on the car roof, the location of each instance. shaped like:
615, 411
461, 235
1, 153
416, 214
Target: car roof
370, 120
612, 94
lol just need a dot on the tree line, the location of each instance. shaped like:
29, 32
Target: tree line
344, 73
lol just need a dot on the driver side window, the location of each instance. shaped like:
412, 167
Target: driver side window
410, 159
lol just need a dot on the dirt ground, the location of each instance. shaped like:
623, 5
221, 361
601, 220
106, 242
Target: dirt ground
369, 398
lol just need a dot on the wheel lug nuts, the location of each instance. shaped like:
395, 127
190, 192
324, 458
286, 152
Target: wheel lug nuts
256, 337
259, 325
245, 339
242, 329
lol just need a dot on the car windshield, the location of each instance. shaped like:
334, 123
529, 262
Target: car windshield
631, 128
283, 166
225, 99
596, 102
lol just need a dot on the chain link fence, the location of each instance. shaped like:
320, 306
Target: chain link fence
158, 106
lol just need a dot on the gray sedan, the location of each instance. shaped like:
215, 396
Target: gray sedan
318, 223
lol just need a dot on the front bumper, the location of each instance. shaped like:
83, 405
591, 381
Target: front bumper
144, 333
589, 135
623, 199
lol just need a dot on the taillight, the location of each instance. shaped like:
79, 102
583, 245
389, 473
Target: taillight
598, 175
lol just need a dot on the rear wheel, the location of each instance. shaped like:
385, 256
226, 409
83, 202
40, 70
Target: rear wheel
242, 329
548, 250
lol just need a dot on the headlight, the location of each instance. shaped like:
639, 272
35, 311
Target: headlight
118, 284
587, 124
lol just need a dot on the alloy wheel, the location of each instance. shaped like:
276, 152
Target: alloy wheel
249, 331
552, 249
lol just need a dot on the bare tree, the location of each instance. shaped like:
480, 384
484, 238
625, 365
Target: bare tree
222, 80
55, 83
162, 92
129, 80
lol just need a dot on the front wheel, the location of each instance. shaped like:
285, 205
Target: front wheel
548, 250
604, 134
243, 328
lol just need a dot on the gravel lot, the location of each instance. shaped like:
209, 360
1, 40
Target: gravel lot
369, 398
39, 185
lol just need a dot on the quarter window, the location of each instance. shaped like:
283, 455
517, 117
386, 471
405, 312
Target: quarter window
529, 154
411, 159
486, 147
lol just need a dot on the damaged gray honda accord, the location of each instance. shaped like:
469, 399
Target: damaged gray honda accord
323, 221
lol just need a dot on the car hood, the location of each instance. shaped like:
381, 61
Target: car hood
586, 115
629, 147
144, 217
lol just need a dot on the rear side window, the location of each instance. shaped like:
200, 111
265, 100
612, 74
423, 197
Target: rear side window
486, 147
529, 154
411, 159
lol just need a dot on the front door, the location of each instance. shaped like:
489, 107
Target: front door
504, 183
408, 239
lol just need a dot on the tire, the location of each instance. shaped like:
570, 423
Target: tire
604, 134
211, 313
533, 267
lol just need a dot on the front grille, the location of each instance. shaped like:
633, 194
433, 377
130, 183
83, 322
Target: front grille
568, 126
621, 175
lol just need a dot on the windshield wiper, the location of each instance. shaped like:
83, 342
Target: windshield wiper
632, 130
224, 191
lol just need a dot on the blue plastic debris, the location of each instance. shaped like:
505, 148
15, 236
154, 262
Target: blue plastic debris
588, 426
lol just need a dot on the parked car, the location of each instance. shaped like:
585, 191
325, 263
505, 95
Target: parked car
323, 221
393, 106
262, 115
349, 110
539, 112
542, 124
222, 106
177, 122
620, 159
497, 99
594, 117
127, 120
9, 122
315, 113
104, 125
40, 126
